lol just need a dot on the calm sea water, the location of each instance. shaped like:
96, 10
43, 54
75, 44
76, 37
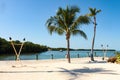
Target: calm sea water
57, 55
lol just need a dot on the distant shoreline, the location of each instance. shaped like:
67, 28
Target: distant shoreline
87, 50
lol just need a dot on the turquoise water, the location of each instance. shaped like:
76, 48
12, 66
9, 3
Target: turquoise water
57, 55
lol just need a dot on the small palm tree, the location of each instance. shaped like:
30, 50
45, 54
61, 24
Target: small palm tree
66, 22
93, 13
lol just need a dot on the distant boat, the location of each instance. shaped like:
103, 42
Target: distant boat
49, 49
61, 50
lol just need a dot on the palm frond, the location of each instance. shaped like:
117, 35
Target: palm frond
60, 22
51, 29
59, 11
98, 11
74, 9
81, 20
93, 11
79, 32
60, 31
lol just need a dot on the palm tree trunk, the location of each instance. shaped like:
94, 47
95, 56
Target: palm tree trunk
68, 51
93, 41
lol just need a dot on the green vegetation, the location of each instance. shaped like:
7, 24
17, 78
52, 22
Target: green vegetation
117, 57
93, 13
29, 47
35, 48
66, 22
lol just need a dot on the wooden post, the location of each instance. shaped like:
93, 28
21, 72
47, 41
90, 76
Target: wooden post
36, 56
88, 54
78, 55
95, 54
52, 56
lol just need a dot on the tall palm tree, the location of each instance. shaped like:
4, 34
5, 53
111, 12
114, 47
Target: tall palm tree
93, 13
66, 22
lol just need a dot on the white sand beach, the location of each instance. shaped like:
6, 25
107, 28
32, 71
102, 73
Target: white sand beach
60, 69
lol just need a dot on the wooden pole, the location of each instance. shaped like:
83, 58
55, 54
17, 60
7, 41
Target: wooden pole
78, 55
17, 53
51, 56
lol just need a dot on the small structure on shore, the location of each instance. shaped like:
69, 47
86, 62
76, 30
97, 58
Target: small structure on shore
21, 46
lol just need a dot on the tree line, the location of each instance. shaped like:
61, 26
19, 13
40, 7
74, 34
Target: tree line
28, 47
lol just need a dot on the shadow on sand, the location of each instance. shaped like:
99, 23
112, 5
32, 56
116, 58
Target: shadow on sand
75, 73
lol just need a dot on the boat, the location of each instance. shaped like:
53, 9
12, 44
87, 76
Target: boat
61, 50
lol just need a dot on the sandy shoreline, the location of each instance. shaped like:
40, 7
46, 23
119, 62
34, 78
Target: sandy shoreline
59, 69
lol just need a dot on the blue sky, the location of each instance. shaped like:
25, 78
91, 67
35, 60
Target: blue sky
27, 18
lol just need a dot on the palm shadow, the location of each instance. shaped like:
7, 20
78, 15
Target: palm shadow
76, 72
90, 70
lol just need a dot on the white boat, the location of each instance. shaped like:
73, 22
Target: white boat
61, 50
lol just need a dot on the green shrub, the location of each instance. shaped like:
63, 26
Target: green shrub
118, 57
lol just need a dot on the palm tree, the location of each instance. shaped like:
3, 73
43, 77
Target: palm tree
93, 13
65, 22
